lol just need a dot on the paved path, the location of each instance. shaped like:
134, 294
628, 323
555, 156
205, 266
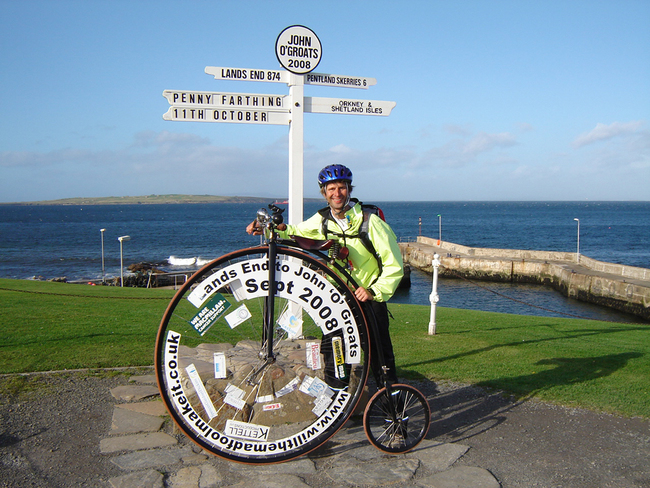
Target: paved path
141, 444
105, 430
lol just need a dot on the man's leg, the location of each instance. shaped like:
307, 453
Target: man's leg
380, 312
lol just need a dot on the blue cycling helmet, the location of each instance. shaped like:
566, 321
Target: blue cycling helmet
334, 172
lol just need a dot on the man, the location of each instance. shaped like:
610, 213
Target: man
378, 271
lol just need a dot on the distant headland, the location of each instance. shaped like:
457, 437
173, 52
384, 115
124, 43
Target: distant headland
151, 199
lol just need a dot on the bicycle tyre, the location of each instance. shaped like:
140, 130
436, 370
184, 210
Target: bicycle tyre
210, 365
402, 432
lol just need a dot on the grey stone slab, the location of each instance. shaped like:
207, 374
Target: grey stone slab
141, 479
361, 450
136, 442
127, 422
353, 443
461, 477
210, 477
204, 476
149, 379
130, 393
153, 407
364, 452
299, 466
140, 460
195, 458
186, 478
279, 481
390, 470
436, 456
334, 449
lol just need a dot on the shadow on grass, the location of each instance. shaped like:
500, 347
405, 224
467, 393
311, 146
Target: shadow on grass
516, 343
471, 410
566, 371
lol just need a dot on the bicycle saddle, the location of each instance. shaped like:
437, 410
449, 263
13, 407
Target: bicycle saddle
335, 249
312, 244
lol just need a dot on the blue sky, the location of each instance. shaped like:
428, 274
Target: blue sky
496, 100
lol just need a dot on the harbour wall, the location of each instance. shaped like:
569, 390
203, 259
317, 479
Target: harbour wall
624, 288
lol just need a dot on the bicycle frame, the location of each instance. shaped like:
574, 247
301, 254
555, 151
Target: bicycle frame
381, 376
271, 222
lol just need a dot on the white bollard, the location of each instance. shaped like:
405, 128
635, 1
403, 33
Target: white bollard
433, 298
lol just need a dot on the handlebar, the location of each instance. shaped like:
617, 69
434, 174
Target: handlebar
329, 249
273, 220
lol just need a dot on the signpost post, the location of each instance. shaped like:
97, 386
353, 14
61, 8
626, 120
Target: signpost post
296, 153
299, 52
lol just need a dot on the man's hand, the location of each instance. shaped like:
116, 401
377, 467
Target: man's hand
363, 295
254, 228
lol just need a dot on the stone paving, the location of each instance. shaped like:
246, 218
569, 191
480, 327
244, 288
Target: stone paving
142, 443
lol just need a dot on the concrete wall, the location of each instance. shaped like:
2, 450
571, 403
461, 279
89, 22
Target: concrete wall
555, 269
622, 270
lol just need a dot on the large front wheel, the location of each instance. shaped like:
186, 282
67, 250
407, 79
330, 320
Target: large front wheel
242, 397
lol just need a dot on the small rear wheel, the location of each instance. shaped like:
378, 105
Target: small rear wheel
397, 421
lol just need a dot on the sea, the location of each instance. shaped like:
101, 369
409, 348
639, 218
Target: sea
54, 241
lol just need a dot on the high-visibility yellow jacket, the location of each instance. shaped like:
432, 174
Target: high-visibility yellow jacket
364, 266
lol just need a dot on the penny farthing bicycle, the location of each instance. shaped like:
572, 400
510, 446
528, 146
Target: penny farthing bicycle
264, 353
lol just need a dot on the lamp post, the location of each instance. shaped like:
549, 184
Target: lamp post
103, 269
578, 249
439, 229
122, 239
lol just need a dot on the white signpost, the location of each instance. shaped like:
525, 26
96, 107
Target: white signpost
299, 51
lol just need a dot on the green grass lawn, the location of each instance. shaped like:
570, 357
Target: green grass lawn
55, 326
598, 365
587, 363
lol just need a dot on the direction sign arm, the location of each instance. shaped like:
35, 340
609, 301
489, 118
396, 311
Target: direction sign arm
321, 105
341, 81
247, 74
